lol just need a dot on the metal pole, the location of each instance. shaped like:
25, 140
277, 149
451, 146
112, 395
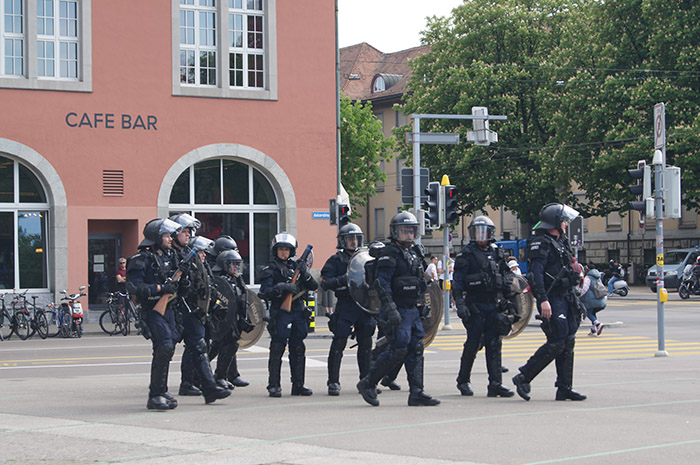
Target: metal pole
659, 167
446, 269
337, 103
416, 167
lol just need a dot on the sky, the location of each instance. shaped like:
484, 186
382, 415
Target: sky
387, 25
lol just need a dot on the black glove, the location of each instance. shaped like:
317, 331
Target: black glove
302, 268
184, 284
245, 326
463, 312
288, 287
168, 288
393, 317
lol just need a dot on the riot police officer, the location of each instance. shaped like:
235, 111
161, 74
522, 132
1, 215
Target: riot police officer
479, 287
229, 265
400, 284
193, 304
148, 276
347, 314
286, 327
552, 280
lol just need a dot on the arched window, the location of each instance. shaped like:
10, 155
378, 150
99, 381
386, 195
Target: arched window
232, 198
23, 222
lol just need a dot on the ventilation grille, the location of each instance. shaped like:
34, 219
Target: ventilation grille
112, 183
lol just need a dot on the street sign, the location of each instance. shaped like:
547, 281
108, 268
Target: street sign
434, 138
659, 126
576, 232
407, 185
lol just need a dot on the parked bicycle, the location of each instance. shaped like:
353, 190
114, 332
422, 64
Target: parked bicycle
121, 312
54, 321
22, 318
72, 311
7, 321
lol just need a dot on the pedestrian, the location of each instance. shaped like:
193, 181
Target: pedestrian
431, 272
481, 285
148, 278
348, 316
400, 284
615, 274
594, 298
553, 282
513, 265
193, 305
286, 327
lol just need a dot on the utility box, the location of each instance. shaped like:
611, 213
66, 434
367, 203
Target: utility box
672, 192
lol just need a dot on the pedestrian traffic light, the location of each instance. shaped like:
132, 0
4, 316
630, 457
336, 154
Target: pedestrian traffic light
434, 205
333, 210
451, 215
642, 189
343, 214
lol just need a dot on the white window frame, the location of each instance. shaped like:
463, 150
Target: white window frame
16, 207
30, 78
204, 17
15, 37
250, 208
223, 88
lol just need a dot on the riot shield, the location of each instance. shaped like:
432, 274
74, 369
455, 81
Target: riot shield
255, 312
524, 303
223, 310
361, 291
431, 322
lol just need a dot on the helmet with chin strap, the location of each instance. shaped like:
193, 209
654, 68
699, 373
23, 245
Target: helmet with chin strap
284, 239
553, 215
482, 229
154, 230
403, 222
348, 231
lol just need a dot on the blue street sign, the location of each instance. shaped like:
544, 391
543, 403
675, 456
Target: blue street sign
321, 215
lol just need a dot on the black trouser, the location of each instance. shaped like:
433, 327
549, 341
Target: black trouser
482, 331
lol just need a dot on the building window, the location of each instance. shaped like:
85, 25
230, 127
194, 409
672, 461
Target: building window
226, 48
381, 184
23, 238
46, 44
379, 225
232, 198
379, 84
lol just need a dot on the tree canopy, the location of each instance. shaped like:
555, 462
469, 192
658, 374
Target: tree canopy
578, 81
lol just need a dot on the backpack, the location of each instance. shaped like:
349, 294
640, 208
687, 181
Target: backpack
599, 290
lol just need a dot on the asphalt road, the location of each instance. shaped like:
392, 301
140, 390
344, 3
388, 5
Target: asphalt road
80, 401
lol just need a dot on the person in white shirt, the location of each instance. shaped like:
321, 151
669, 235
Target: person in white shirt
431, 272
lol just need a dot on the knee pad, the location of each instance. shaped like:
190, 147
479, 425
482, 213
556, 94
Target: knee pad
419, 349
556, 348
164, 352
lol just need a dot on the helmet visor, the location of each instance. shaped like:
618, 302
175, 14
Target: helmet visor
169, 227
201, 244
568, 214
352, 241
234, 267
481, 232
406, 232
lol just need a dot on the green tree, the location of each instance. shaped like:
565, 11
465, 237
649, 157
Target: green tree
490, 53
362, 146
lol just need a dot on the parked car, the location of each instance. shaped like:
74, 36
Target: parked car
674, 263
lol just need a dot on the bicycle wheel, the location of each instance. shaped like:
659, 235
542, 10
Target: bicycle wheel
108, 322
66, 323
53, 327
42, 325
123, 321
22, 326
5, 325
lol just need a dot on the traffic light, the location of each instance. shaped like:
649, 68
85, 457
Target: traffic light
451, 215
434, 205
642, 189
333, 210
343, 214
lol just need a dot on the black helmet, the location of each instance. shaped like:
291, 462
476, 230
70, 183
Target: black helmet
187, 221
154, 229
201, 244
223, 243
553, 214
403, 221
284, 239
349, 230
482, 229
229, 261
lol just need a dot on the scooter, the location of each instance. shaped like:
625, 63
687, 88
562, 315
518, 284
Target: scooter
71, 306
620, 287
689, 284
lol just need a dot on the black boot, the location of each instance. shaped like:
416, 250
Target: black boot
223, 363
465, 389
187, 375
335, 356
364, 355
493, 366
522, 386
390, 382
159, 379
466, 363
210, 389
384, 364
565, 373
417, 396
297, 366
568, 394
274, 367
233, 375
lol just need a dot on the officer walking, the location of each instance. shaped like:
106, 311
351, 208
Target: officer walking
480, 286
552, 282
400, 284
286, 327
193, 304
148, 276
229, 265
347, 314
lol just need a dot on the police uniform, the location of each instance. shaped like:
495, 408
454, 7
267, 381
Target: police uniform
146, 274
480, 282
286, 327
347, 315
400, 284
553, 279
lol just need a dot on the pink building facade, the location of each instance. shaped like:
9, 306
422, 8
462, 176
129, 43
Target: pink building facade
117, 112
